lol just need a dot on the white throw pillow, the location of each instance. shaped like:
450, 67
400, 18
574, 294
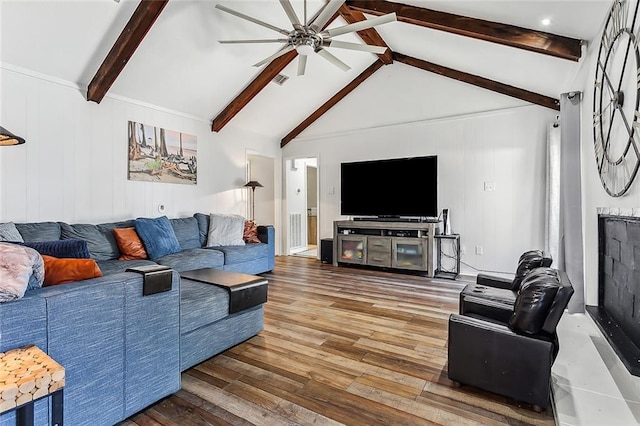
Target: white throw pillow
225, 230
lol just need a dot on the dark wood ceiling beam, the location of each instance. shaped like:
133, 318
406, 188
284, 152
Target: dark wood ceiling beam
252, 89
485, 83
369, 36
130, 38
331, 102
523, 38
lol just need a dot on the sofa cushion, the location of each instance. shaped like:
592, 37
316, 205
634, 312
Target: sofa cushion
225, 230
187, 232
107, 229
77, 249
203, 227
39, 231
115, 266
158, 236
9, 232
129, 244
201, 304
60, 271
101, 242
193, 259
239, 254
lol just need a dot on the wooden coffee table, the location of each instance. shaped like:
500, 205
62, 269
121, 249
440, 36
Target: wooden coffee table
245, 291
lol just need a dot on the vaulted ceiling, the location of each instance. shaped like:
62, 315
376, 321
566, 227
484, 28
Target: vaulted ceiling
443, 57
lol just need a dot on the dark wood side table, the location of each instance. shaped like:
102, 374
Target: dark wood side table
26, 375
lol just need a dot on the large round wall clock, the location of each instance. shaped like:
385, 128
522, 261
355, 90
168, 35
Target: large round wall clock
616, 127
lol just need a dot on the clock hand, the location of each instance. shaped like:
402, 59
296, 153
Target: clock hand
626, 53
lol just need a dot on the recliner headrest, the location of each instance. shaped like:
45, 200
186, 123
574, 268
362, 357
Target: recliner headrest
534, 301
528, 261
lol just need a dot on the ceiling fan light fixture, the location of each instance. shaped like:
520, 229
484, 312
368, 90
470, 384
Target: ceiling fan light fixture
305, 49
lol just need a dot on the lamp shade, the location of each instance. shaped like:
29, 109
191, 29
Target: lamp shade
253, 184
7, 138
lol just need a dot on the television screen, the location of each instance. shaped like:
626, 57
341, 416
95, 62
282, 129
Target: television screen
404, 187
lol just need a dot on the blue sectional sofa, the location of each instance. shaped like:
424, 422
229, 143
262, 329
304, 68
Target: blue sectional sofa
123, 351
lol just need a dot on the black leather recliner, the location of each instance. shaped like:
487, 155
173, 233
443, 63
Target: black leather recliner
513, 358
494, 296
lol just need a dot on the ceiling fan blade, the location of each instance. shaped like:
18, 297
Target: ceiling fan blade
379, 50
335, 61
250, 19
288, 8
358, 26
329, 10
302, 64
279, 53
273, 40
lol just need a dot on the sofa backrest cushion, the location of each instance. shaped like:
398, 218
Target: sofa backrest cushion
203, 227
187, 232
9, 232
78, 249
534, 301
39, 231
158, 236
101, 242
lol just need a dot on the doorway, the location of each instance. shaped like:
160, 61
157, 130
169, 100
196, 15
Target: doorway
302, 206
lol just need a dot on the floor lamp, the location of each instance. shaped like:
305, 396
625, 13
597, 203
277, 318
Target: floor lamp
253, 184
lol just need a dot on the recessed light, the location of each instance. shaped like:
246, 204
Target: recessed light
546, 22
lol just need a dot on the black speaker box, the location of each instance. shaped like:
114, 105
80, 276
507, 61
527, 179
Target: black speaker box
326, 250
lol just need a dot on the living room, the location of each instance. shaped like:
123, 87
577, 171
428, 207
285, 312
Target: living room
491, 148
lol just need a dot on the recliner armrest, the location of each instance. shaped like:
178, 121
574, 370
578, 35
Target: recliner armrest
493, 281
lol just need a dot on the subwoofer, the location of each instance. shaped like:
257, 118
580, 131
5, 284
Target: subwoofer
326, 250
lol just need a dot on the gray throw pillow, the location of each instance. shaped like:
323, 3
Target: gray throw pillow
9, 232
225, 230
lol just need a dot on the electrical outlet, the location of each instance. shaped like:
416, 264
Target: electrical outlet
463, 249
479, 250
489, 186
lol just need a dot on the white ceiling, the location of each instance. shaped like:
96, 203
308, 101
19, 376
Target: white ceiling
181, 66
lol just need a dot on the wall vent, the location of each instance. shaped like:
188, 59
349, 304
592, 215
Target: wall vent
295, 230
280, 79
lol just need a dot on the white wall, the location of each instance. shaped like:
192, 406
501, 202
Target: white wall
506, 147
73, 167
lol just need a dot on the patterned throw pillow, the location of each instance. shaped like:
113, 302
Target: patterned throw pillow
130, 244
9, 232
250, 234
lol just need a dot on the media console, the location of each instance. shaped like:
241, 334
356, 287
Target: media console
399, 245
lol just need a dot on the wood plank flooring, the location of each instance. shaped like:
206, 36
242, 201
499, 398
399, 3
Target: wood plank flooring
340, 346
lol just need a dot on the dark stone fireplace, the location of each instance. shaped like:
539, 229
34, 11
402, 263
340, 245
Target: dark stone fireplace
618, 311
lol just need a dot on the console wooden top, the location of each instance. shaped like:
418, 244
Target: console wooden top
371, 224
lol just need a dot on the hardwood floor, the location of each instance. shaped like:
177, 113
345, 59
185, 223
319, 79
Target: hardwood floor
340, 346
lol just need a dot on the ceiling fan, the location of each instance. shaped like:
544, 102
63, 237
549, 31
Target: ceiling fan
309, 38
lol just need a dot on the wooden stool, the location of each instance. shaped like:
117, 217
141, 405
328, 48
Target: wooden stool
26, 375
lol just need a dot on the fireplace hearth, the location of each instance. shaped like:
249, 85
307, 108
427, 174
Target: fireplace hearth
618, 311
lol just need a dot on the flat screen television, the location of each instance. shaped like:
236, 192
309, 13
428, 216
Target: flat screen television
399, 187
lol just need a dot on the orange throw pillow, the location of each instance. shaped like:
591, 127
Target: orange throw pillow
250, 234
130, 244
59, 271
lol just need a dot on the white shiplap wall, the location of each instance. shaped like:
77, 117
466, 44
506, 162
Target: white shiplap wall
73, 167
506, 147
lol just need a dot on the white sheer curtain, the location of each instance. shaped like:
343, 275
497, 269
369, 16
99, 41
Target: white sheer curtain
564, 240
